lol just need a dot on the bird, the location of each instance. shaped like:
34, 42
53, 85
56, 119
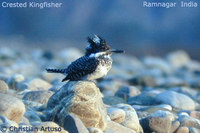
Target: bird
93, 65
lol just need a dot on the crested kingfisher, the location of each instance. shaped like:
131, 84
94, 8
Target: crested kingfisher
93, 65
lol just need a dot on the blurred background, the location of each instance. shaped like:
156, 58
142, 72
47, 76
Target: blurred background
125, 24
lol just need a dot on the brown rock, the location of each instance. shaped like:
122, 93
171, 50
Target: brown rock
11, 107
182, 130
188, 121
82, 98
160, 125
195, 114
116, 115
131, 119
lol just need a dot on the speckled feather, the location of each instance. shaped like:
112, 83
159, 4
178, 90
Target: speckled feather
80, 68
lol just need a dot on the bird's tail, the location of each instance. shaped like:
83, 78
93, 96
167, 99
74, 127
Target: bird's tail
56, 70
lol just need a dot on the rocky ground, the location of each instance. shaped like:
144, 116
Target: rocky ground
151, 94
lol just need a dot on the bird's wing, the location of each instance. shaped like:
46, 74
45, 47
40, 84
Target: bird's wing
81, 67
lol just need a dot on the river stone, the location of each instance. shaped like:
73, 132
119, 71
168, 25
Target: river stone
131, 119
3, 86
114, 127
82, 98
188, 121
11, 107
176, 100
38, 96
178, 58
116, 115
34, 85
182, 130
160, 122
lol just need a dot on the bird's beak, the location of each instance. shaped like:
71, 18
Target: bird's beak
115, 51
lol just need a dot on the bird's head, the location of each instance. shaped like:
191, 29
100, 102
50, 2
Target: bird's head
98, 46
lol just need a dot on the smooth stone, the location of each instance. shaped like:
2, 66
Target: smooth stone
116, 114
11, 107
112, 100
188, 121
178, 58
145, 98
160, 125
38, 96
73, 124
195, 114
131, 119
127, 91
160, 121
185, 90
114, 127
3, 86
82, 98
163, 114
176, 100
165, 106
36, 84
182, 130
175, 125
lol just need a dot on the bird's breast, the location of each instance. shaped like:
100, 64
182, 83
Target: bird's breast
101, 70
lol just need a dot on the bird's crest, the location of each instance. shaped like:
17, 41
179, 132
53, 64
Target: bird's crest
96, 44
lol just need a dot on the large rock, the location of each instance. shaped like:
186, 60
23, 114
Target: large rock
176, 100
11, 107
82, 98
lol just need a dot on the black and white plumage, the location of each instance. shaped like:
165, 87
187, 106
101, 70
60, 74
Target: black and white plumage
93, 65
